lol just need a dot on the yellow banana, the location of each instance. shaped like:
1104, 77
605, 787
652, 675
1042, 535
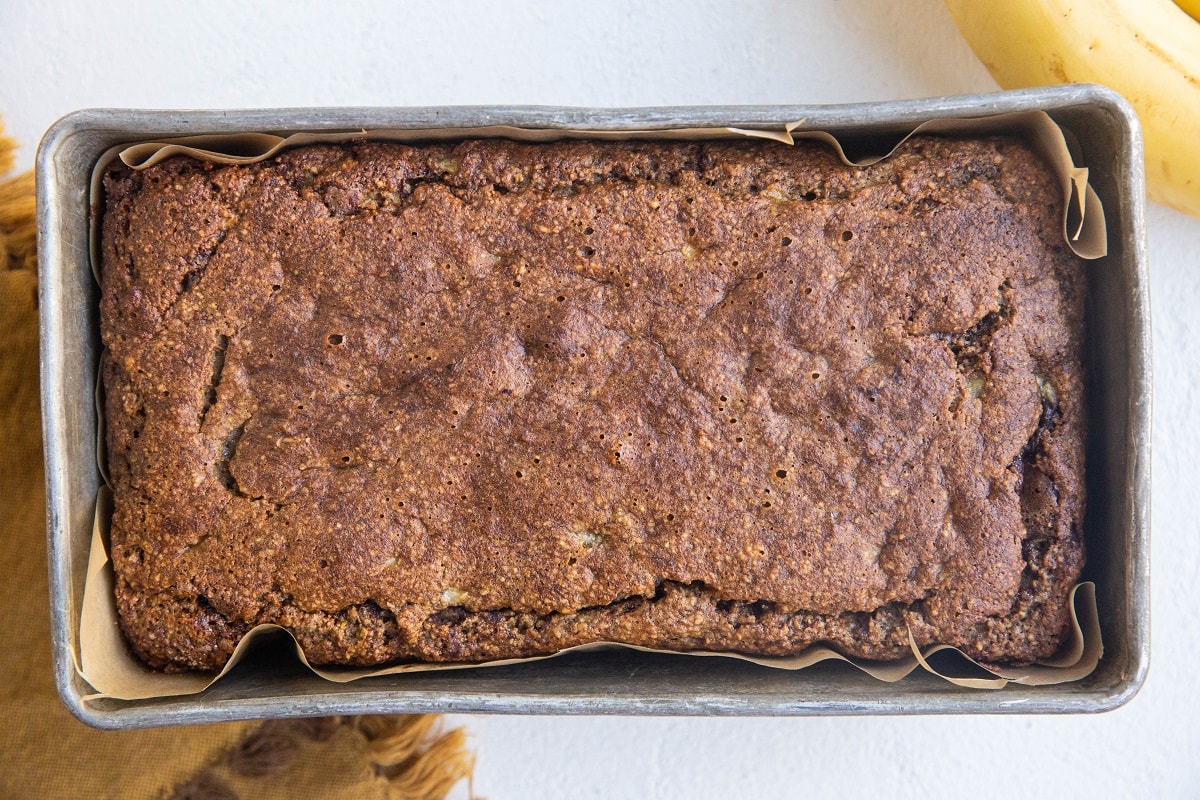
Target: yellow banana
1148, 50
1190, 6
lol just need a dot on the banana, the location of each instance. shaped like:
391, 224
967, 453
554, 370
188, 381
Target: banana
1190, 6
1148, 50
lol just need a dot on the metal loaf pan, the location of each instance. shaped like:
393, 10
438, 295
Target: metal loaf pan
1117, 528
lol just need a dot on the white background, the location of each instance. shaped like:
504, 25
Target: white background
57, 57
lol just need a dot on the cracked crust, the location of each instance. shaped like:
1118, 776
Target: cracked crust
485, 400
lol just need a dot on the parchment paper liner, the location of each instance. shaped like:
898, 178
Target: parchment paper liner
103, 659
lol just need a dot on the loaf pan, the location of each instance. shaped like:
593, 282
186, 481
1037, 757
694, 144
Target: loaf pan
621, 682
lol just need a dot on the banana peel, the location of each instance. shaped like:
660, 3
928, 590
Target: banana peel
1192, 7
1148, 50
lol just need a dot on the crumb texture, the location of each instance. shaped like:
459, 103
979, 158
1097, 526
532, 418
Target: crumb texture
490, 399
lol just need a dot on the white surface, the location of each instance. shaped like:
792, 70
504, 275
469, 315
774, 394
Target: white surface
61, 56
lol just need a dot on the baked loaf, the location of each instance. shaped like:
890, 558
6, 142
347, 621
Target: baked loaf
491, 399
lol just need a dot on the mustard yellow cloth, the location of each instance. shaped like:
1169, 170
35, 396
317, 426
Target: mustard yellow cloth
44, 751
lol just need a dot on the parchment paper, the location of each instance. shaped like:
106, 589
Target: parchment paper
104, 660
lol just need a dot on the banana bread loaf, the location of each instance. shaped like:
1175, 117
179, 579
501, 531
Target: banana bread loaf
461, 402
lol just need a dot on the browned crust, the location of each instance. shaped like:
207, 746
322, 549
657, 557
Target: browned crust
485, 400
